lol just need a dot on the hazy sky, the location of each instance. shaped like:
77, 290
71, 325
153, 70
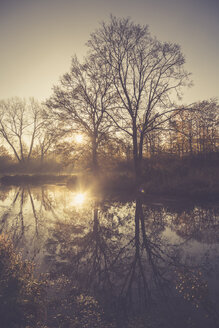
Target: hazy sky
39, 37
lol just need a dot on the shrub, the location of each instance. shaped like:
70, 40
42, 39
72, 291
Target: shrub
21, 295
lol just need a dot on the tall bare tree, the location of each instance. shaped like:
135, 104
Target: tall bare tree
20, 123
81, 100
145, 73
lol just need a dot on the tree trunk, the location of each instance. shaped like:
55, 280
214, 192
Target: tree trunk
137, 155
94, 157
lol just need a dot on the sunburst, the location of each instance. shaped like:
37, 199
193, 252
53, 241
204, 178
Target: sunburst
79, 138
79, 199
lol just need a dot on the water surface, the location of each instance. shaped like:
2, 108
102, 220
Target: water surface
154, 262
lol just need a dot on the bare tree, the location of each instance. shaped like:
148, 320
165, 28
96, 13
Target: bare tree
20, 123
206, 128
196, 131
48, 137
145, 73
80, 102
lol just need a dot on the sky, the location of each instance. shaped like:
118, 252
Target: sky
38, 38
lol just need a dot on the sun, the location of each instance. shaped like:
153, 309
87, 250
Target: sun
79, 199
79, 138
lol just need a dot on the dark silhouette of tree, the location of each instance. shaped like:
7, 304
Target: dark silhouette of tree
206, 129
145, 73
195, 131
81, 100
20, 123
47, 138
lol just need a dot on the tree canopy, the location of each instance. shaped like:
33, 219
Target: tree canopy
80, 101
145, 74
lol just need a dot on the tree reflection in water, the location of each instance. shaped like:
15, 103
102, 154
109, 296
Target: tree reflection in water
24, 217
122, 257
144, 264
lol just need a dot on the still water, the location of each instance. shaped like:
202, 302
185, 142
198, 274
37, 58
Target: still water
154, 262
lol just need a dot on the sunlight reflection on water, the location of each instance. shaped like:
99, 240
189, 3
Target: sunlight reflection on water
57, 226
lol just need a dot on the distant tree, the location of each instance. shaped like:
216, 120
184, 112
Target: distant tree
195, 131
81, 100
145, 74
153, 142
20, 124
47, 139
206, 128
181, 132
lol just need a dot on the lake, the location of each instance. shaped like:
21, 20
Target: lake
154, 262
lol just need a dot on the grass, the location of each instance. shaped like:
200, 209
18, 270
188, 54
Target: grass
182, 179
36, 179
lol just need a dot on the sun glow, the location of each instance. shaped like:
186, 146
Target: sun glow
79, 199
79, 138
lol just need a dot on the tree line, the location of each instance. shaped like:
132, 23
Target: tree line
121, 98
188, 132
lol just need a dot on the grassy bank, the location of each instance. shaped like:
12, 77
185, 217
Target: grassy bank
190, 177
34, 179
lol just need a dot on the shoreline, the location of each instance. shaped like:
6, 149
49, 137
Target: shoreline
116, 189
